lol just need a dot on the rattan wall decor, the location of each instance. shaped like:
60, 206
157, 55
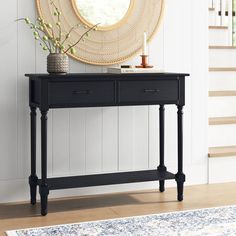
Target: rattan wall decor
115, 44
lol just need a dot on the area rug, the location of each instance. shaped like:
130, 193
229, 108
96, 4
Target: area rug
211, 221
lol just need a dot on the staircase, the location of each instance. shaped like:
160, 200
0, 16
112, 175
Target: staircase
222, 92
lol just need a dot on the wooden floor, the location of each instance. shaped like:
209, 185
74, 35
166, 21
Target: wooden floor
61, 211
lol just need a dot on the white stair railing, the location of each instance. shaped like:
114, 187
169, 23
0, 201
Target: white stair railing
224, 15
229, 19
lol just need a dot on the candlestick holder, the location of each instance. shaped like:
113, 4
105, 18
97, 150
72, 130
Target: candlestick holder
144, 63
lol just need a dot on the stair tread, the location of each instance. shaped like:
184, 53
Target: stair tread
222, 47
222, 69
222, 93
224, 151
217, 27
222, 120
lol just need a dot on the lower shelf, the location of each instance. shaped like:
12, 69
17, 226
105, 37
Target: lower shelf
107, 179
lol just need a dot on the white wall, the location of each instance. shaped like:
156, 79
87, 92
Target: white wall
95, 140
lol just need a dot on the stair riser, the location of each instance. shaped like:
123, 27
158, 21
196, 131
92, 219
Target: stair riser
218, 37
222, 169
222, 58
222, 106
212, 19
222, 135
222, 81
215, 20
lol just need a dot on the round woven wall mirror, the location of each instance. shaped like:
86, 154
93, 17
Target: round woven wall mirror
109, 14
120, 31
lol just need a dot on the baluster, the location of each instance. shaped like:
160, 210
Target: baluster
223, 15
210, 4
217, 13
229, 10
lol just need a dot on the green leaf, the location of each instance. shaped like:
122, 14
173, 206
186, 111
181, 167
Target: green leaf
27, 20
49, 26
45, 38
72, 50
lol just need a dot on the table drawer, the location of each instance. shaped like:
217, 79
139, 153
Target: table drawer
82, 93
148, 91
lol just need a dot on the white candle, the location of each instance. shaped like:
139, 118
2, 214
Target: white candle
144, 44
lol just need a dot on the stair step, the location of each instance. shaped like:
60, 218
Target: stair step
218, 27
225, 93
222, 120
222, 69
218, 35
225, 151
222, 47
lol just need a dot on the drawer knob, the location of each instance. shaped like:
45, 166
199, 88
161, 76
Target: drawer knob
151, 90
82, 92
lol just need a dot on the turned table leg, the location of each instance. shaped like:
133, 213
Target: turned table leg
180, 176
33, 179
43, 188
161, 166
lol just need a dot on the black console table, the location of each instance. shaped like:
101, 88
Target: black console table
93, 90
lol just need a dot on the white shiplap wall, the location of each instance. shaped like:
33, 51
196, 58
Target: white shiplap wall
95, 140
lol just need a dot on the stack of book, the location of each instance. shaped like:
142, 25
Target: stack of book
133, 70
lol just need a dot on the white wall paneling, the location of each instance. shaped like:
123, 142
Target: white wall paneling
153, 136
109, 139
77, 146
60, 142
126, 138
140, 138
25, 45
77, 131
8, 92
227, 174
199, 84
